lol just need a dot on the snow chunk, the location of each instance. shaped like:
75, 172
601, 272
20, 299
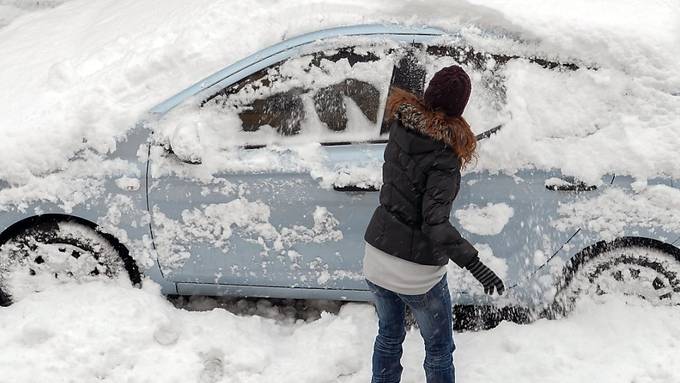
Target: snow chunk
488, 220
216, 223
128, 183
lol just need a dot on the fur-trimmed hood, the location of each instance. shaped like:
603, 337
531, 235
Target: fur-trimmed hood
411, 117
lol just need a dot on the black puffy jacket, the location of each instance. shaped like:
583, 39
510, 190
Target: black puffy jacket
421, 178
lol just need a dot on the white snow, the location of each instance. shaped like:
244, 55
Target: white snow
12, 9
615, 209
111, 332
487, 220
216, 223
128, 183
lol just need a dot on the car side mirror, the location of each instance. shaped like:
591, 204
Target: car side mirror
185, 144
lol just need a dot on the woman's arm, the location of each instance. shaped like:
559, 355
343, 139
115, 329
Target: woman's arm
443, 183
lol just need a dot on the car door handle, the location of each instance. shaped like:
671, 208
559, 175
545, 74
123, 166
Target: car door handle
187, 160
568, 184
355, 188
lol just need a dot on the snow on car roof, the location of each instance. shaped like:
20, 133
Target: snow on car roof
297, 41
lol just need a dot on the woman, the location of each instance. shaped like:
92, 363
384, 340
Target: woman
409, 239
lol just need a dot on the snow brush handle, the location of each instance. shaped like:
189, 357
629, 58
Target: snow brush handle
488, 133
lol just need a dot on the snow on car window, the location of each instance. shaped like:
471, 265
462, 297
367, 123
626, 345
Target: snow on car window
287, 110
554, 114
333, 92
575, 120
486, 107
329, 96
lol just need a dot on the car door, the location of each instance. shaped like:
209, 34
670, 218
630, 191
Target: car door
271, 180
508, 217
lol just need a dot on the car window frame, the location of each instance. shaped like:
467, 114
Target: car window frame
319, 55
430, 37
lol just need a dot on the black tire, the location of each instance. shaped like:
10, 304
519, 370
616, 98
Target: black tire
54, 251
635, 270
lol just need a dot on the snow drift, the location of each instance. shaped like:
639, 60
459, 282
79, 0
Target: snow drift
110, 332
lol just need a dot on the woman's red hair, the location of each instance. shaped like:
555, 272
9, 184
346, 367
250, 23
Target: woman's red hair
464, 141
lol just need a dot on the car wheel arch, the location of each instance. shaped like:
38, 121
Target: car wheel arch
26, 223
601, 247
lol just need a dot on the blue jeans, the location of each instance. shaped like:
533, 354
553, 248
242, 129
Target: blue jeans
433, 314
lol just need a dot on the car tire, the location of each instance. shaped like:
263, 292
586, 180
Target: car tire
56, 251
635, 271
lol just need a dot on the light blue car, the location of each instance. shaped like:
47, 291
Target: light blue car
260, 180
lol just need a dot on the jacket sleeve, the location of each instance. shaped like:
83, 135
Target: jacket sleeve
443, 182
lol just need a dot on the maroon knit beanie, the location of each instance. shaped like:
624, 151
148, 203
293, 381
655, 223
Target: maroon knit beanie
449, 91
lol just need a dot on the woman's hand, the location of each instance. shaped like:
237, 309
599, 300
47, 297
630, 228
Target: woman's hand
486, 277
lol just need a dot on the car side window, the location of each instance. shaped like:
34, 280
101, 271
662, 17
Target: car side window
487, 105
328, 96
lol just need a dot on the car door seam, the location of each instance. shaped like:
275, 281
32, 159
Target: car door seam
550, 258
148, 207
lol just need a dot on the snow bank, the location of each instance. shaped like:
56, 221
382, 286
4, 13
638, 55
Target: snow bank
12, 9
111, 332
80, 74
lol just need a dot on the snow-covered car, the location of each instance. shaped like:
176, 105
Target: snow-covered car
260, 179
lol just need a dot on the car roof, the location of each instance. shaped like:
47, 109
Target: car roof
286, 45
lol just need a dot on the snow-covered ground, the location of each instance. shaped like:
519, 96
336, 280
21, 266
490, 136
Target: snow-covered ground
107, 332
12, 9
